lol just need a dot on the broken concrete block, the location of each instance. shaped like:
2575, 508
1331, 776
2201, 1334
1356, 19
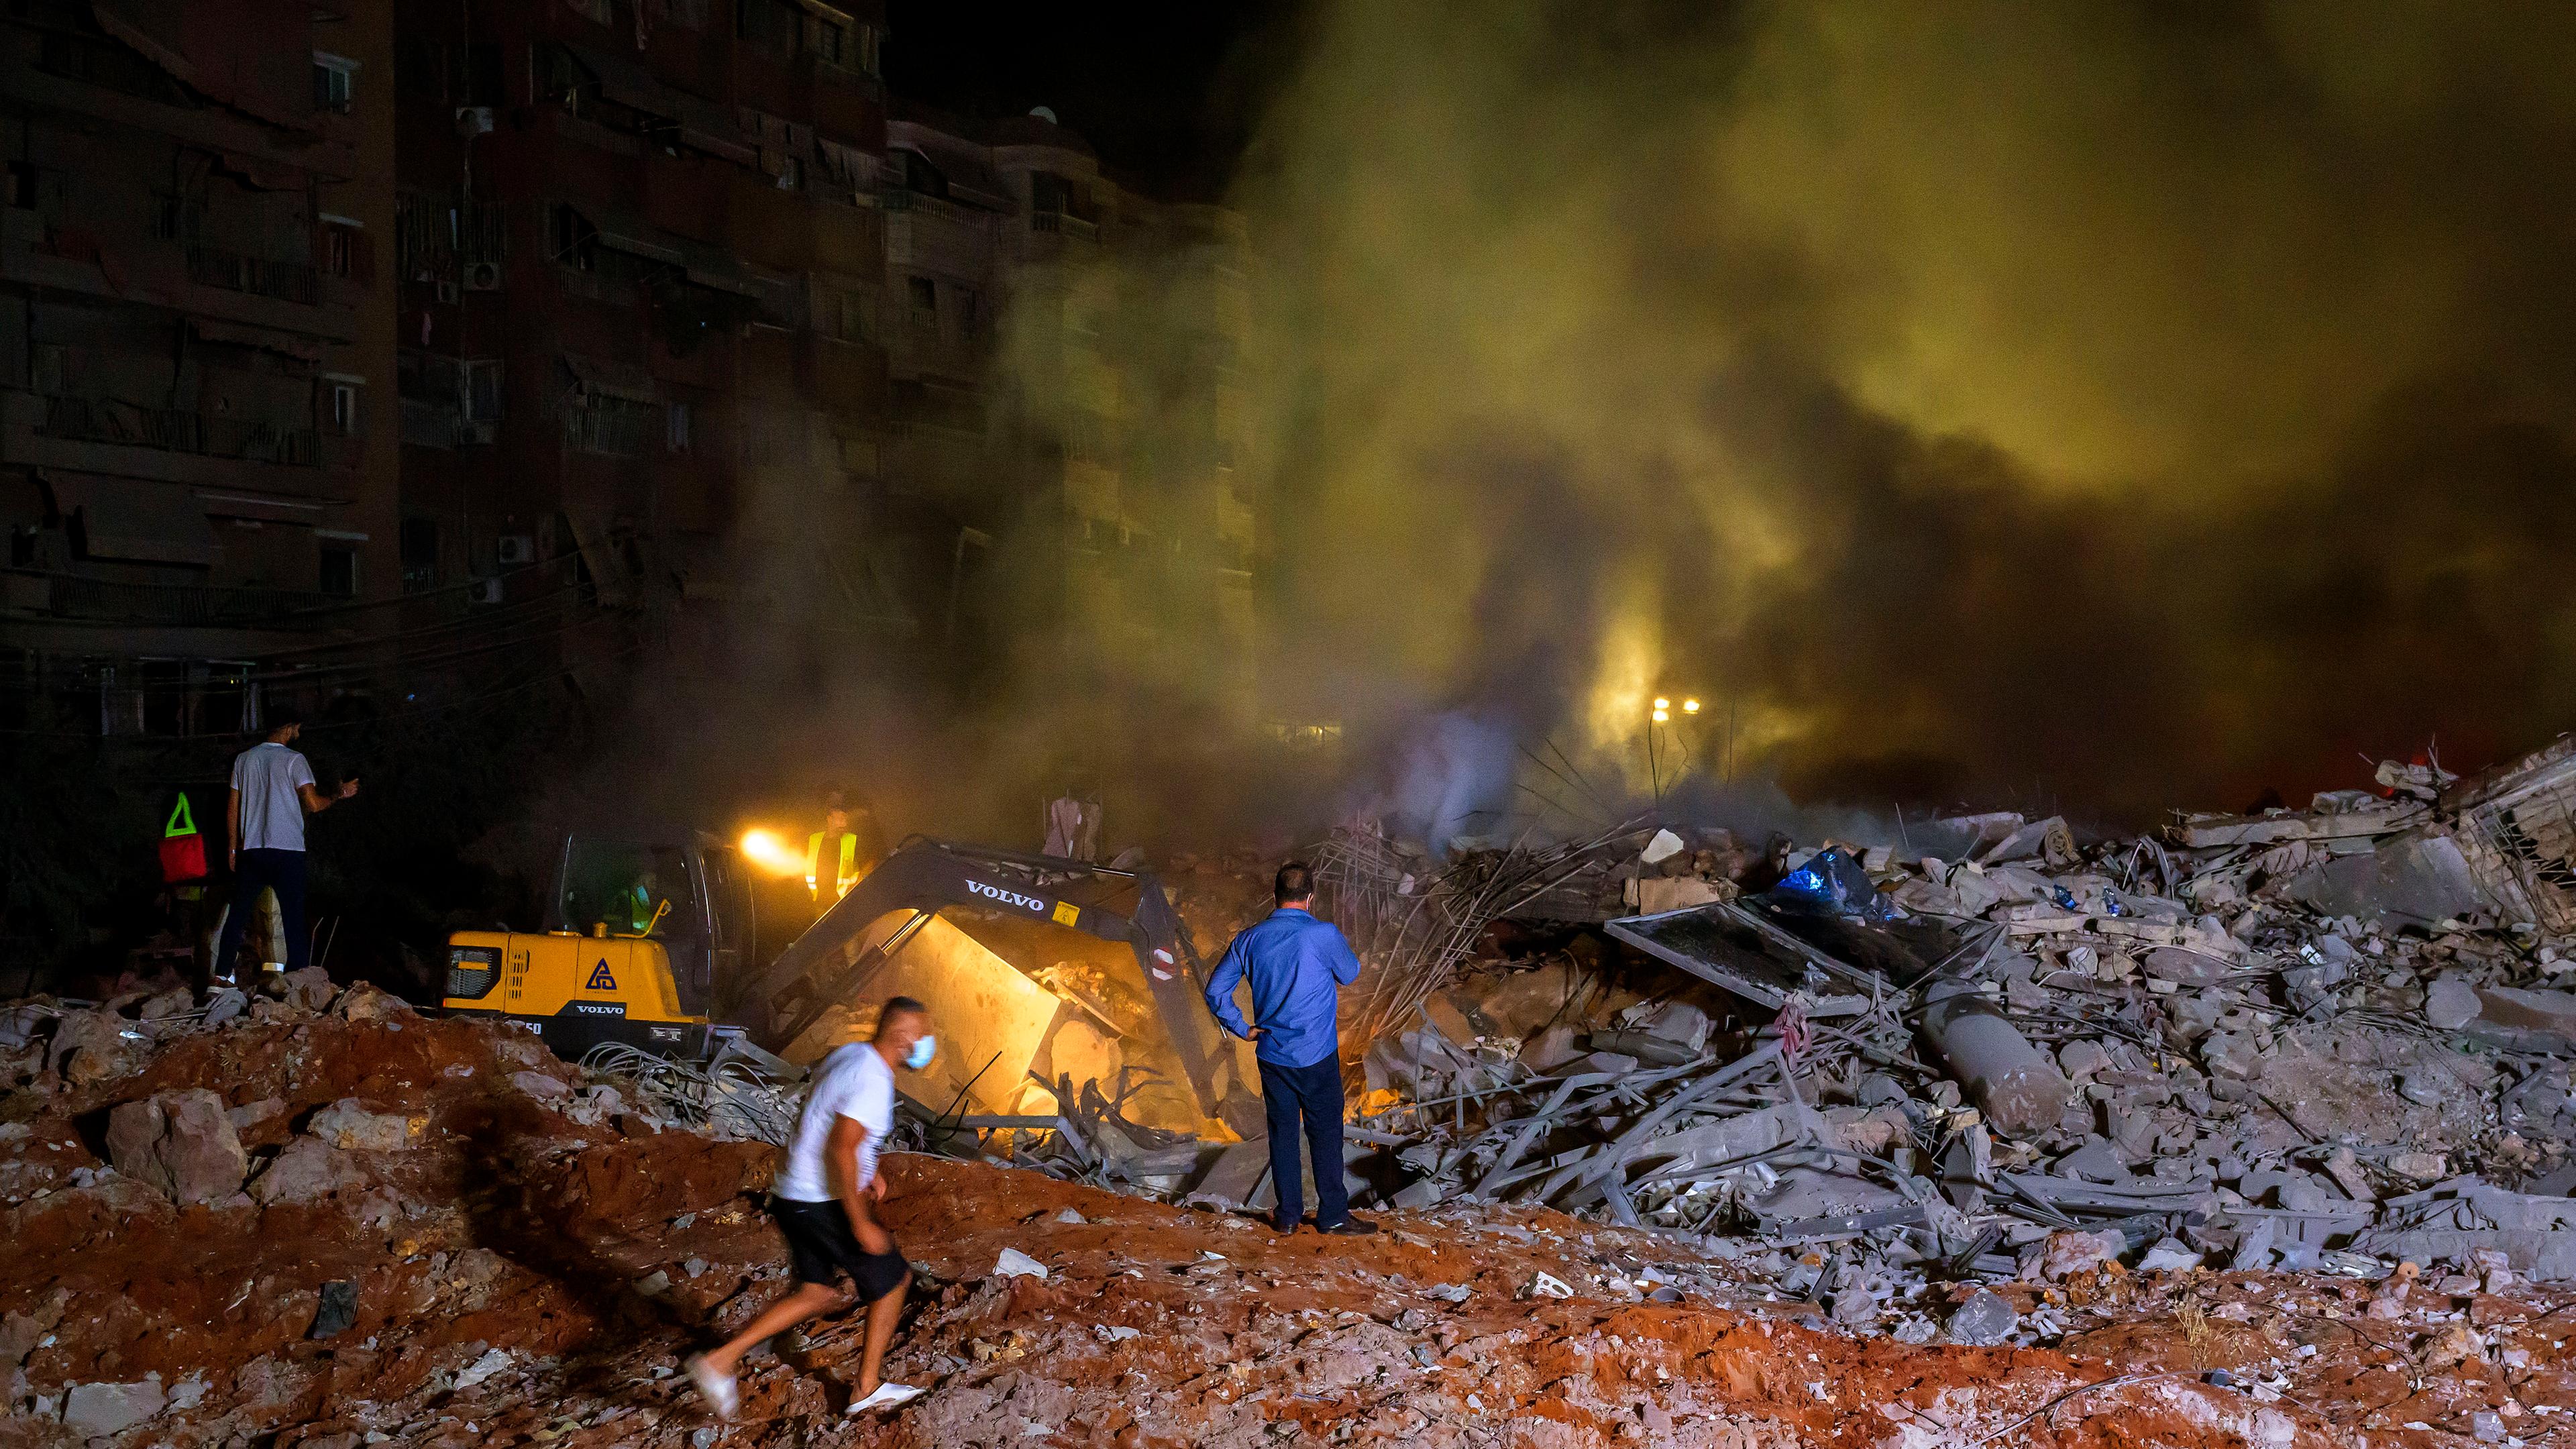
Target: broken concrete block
2183, 965
2451, 1004
2524, 1019
2015, 1084
1237, 1173
338, 1310
1445, 1017
309, 989
2169, 1255
180, 1142
1551, 1049
251, 1117
2232, 1055
363, 1002
2416, 878
540, 1085
307, 1169
91, 1047
2070, 1251
1661, 848
97, 1410
2081, 1058
1984, 1320
1655, 895
349, 1126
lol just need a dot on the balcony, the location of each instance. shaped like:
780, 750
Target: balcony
75, 419
259, 276
1064, 223
175, 605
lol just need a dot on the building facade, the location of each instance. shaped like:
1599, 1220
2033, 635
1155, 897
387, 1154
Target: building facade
638, 259
196, 360
1069, 435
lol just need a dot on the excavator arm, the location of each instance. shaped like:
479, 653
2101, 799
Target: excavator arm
830, 963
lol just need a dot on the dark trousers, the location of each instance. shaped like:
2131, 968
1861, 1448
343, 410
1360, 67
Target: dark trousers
1314, 1093
281, 871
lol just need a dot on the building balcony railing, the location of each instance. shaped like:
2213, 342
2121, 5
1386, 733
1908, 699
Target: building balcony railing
259, 276
1064, 223
180, 605
78, 419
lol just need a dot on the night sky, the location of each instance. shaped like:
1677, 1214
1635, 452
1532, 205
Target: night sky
1167, 93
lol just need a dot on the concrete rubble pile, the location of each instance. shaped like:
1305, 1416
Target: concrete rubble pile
2330, 1039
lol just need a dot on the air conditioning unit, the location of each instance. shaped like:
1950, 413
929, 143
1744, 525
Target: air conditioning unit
473, 120
448, 294
482, 276
485, 591
516, 548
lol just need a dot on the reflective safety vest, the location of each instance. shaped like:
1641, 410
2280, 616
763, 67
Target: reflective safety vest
849, 875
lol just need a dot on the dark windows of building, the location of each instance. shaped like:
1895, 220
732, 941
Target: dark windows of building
344, 249
22, 185
925, 301
419, 555
177, 218
1055, 199
969, 313
339, 571
333, 79
342, 407
921, 174
570, 238
604, 423
675, 427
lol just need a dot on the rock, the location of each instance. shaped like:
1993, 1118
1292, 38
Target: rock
338, 1310
2169, 1255
307, 1169
492, 1362
168, 1004
653, 1284
2081, 1058
2095, 1161
2070, 1251
251, 1117
180, 1142
91, 1047
1547, 1285
2451, 1004
540, 1085
363, 1002
1015, 1264
349, 1126
2231, 1055
1984, 1320
2183, 966
309, 989
101, 1409
1551, 1048
2420, 1166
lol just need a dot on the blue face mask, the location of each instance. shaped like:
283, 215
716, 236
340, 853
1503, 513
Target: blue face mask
921, 1053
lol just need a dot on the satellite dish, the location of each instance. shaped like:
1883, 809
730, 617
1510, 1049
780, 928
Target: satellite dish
1045, 113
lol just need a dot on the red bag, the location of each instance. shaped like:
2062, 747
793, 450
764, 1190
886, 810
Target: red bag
183, 850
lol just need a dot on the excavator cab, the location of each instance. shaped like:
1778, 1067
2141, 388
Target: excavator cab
641, 934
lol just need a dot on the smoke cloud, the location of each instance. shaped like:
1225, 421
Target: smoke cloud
2108, 406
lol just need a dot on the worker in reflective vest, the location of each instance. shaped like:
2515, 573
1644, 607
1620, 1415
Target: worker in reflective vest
836, 843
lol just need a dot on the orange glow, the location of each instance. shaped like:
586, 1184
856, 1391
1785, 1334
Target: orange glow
764, 849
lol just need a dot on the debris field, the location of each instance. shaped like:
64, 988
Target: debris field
2257, 1130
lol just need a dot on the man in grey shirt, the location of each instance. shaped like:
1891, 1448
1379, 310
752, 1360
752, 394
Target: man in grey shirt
273, 791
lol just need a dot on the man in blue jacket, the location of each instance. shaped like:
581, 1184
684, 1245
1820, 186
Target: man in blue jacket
1297, 965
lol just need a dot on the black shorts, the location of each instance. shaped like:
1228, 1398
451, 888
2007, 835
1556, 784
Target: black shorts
821, 1245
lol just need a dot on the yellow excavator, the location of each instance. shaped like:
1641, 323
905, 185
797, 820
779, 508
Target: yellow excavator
649, 942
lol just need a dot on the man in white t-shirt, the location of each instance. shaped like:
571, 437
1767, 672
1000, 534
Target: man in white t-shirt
825, 1199
273, 791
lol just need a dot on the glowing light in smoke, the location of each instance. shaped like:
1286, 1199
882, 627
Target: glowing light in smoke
1690, 706
767, 851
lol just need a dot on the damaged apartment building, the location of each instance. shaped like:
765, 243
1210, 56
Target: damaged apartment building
1068, 401
452, 340
195, 354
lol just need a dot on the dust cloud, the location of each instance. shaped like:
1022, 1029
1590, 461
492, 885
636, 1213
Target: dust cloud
2104, 407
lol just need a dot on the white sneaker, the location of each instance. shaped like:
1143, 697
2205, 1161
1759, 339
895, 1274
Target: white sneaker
886, 1397
719, 1388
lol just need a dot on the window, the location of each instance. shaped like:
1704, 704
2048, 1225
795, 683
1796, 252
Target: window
419, 554
340, 572
345, 419
791, 174
675, 427
851, 317
599, 422
967, 313
332, 78
925, 301
478, 389
177, 218
338, 250
571, 239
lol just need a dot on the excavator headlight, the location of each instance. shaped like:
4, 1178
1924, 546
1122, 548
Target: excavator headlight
471, 971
